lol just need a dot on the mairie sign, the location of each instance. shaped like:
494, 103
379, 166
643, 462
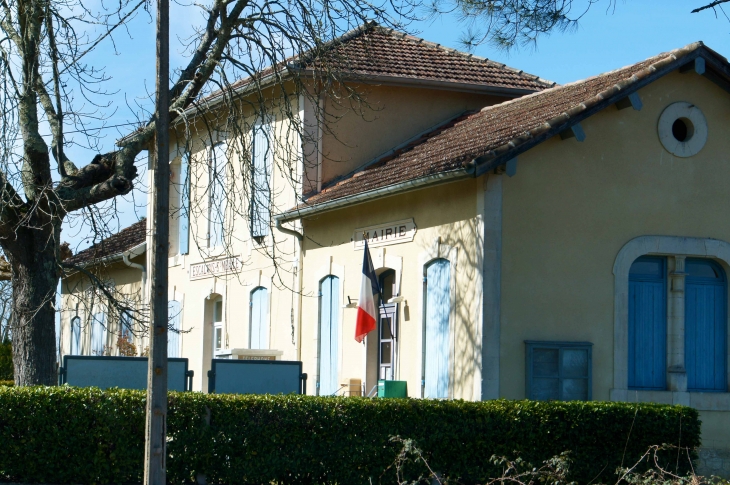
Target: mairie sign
385, 234
215, 268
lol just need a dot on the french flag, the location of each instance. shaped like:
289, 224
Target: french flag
366, 313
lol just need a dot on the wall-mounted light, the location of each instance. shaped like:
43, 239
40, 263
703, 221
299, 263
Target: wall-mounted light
397, 299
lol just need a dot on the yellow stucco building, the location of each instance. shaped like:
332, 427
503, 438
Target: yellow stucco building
531, 240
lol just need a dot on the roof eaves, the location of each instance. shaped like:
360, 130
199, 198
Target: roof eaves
416, 82
379, 193
520, 144
132, 252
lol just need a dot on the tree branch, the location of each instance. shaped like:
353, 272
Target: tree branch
710, 5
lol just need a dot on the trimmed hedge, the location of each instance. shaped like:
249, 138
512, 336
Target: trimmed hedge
71, 435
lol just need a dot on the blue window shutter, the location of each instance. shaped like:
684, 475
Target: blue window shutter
174, 309
98, 333
647, 327
329, 335
184, 221
218, 200
259, 319
438, 307
261, 189
75, 336
705, 331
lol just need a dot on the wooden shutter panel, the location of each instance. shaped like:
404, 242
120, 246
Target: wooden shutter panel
75, 336
329, 335
174, 309
647, 334
438, 308
705, 334
261, 190
218, 200
259, 319
98, 333
184, 221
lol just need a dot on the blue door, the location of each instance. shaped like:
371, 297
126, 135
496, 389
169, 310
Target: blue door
259, 330
438, 308
705, 326
329, 335
647, 323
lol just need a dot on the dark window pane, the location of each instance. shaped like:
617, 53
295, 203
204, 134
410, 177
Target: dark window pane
545, 389
387, 285
545, 362
385, 349
575, 389
575, 363
218, 312
648, 267
701, 269
385, 328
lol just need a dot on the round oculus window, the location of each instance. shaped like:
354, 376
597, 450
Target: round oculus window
682, 129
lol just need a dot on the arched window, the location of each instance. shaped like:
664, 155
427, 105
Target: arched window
648, 323
217, 199
705, 326
75, 347
260, 181
98, 333
174, 316
259, 319
329, 335
436, 331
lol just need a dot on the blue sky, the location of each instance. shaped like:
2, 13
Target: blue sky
630, 31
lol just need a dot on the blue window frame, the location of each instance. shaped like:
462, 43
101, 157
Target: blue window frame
705, 326
329, 336
259, 319
559, 371
436, 331
174, 315
648, 323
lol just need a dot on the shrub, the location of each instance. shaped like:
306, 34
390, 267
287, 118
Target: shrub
67, 435
7, 383
6, 361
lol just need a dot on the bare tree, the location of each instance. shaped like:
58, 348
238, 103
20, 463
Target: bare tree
47, 84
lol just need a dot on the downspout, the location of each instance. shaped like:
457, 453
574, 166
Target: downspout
125, 258
291, 232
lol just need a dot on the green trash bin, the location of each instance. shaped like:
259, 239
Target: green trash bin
392, 389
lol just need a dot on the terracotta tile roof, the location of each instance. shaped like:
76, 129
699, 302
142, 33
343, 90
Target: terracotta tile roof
495, 134
377, 53
115, 244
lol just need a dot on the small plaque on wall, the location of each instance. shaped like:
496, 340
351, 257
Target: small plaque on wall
215, 268
385, 234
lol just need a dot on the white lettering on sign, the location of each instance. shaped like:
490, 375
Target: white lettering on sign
215, 268
383, 235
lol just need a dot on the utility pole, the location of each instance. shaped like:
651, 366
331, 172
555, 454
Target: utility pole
155, 472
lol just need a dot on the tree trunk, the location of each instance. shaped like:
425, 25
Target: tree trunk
35, 280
